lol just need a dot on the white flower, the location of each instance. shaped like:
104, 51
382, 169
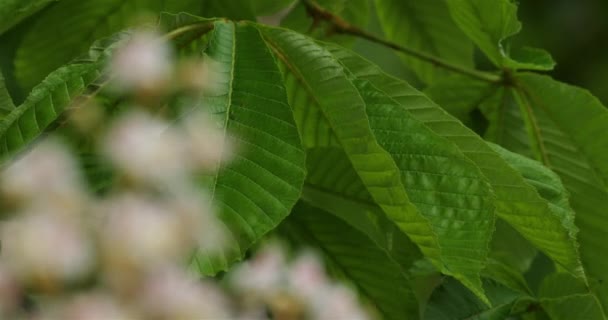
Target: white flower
208, 144
46, 176
306, 277
142, 64
10, 292
146, 149
204, 75
263, 276
140, 233
44, 249
93, 306
337, 303
199, 223
170, 293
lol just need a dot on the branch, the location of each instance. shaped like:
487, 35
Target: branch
339, 25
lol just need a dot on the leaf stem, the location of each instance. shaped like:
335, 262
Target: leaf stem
339, 25
203, 27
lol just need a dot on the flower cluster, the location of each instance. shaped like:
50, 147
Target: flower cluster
296, 290
131, 242
120, 254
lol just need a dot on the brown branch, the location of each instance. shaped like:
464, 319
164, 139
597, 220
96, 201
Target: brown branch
341, 26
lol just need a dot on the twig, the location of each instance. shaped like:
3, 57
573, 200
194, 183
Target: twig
339, 25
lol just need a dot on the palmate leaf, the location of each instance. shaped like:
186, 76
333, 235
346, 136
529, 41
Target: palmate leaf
518, 203
353, 256
489, 24
256, 191
425, 26
13, 11
445, 186
331, 112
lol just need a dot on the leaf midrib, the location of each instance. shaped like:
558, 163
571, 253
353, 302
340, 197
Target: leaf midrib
228, 107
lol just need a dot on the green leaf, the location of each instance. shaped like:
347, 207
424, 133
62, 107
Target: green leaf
256, 191
564, 297
330, 112
518, 203
489, 24
425, 26
445, 186
546, 182
511, 248
349, 252
503, 113
50, 100
13, 11
460, 96
565, 129
452, 301
333, 185
45, 104
6, 102
463, 198
67, 29
506, 275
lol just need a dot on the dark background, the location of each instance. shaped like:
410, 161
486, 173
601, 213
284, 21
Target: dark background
576, 34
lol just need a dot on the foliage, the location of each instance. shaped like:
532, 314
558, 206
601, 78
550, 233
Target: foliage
480, 194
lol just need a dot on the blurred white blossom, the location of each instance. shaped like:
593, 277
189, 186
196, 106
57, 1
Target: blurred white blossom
146, 149
197, 217
132, 242
149, 150
264, 275
142, 64
45, 176
10, 292
45, 249
94, 306
306, 277
204, 75
140, 233
338, 302
170, 293
208, 145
